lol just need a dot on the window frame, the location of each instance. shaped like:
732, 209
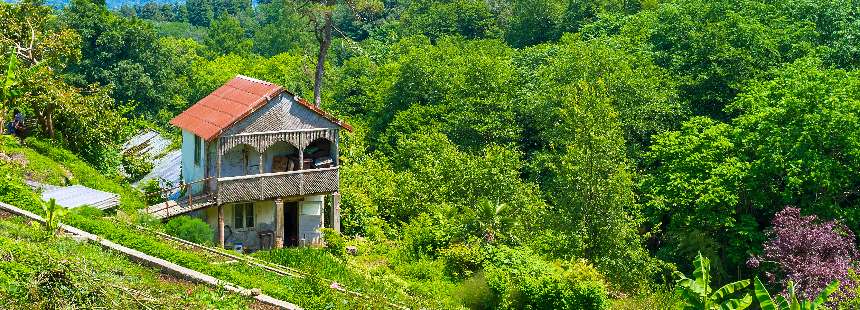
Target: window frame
198, 149
243, 215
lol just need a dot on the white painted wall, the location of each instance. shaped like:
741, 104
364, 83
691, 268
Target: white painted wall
310, 218
190, 171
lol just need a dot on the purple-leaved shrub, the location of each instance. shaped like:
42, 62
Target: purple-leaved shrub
809, 252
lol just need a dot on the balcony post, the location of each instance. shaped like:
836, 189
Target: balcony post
335, 211
261, 163
279, 223
221, 226
220, 149
336, 148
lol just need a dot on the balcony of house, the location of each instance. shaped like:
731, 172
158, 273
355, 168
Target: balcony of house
263, 166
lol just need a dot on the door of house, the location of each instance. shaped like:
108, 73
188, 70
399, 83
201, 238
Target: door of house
291, 223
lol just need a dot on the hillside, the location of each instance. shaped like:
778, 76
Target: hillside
41, 272
58, 166
518, 154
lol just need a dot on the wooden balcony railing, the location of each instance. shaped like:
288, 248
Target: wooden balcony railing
281, 184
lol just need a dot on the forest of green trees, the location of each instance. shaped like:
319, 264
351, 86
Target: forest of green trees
550, 154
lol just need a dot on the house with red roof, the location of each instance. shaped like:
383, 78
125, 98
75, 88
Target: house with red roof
260, 165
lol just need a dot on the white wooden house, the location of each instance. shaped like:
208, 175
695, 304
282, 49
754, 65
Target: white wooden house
258, 164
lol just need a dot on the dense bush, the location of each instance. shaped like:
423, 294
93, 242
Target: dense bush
476, 294
334, 241
810, 253
463, 260
522, 280
189, 228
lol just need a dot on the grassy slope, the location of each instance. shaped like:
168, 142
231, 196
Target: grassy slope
377, 268
39, 271
40, 161
380, 271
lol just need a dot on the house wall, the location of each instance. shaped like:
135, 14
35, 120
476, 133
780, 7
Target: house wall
264, 217
190, 171
310, 221
233, 162
277, 149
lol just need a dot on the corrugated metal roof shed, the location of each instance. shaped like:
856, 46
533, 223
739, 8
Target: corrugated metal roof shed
78, 195
165, 165
166, 169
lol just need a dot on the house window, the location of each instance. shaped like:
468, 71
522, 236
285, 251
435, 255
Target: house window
243, 215
197, 146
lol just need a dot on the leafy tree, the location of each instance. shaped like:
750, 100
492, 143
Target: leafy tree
230, 7
8, 85
787, 146
698, 294
800, 128
533, 22
766, 302
692, 191
463, 88
468, 18
586, 178
200, 12
280, 29
30, 31
226, 36
320, 15
641, 93
715, 46
126, 54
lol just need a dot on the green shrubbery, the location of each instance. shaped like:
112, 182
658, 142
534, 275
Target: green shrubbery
462, 261
522, 280
189, 228
136, 166
334, 241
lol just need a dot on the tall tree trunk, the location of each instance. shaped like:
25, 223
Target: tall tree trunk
324, 38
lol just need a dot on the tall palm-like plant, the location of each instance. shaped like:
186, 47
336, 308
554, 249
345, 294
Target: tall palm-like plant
698, 295
494, 219
53, 213
766, 302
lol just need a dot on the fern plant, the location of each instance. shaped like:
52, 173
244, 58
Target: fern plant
698, 294
766, 302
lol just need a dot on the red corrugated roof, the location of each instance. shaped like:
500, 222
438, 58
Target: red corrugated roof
232, 102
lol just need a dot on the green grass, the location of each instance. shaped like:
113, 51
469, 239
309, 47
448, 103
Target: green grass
381, 272
42, 272
380, 269
41, 161
310, 292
